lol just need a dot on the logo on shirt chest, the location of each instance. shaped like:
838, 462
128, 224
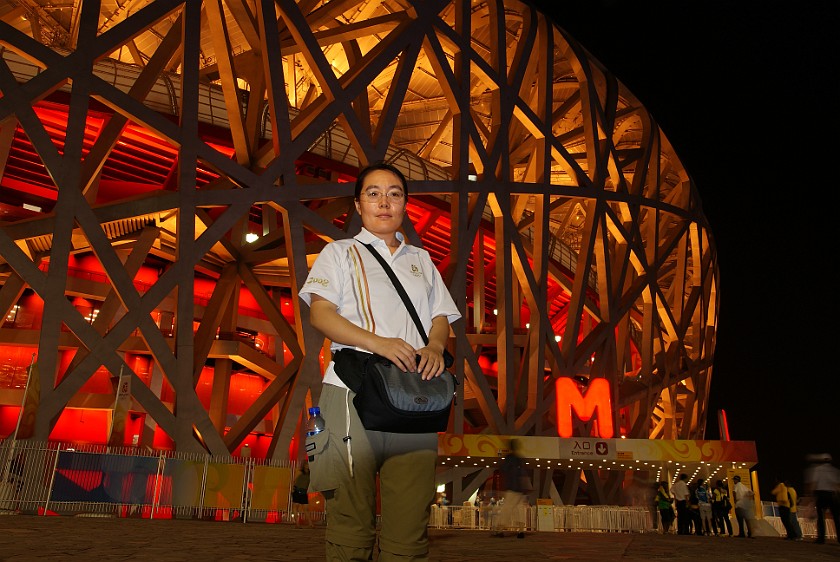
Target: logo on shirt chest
416, 271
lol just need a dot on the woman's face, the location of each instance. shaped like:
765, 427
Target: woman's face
381, 203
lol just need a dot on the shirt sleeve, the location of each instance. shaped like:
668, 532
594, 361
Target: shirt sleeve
325, 277
441, 302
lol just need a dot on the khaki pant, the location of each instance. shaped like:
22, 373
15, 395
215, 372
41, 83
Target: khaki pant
405, 464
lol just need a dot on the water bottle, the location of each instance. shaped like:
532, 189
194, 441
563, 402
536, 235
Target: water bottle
316, 423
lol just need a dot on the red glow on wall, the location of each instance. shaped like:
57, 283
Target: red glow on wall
14, 365
8, 420
100, 383
142, 367
161, 441
254, 445
596, 400
82, 425
244, 391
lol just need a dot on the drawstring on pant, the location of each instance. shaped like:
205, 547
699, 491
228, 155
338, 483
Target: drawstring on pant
346, 438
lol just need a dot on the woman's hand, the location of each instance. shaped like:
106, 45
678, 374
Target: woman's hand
428, 360
429, 363
397, 350
324, 317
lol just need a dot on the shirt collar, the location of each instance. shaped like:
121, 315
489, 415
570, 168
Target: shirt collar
367, 237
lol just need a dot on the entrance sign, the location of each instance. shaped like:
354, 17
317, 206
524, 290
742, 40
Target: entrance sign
594, 449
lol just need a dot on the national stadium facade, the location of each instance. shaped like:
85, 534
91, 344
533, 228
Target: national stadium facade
168, 172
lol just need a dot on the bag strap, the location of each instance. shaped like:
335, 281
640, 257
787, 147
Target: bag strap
448, 359
398, 286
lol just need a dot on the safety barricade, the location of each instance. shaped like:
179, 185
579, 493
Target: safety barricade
51, 478
601, 518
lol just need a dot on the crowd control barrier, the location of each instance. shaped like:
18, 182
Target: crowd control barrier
49, 478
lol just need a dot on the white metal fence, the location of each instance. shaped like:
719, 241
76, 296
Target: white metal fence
39, 477
570, 518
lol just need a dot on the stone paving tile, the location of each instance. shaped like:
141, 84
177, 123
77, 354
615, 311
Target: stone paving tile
30, 538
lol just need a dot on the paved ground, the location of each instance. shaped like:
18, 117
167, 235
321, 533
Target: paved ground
30, 537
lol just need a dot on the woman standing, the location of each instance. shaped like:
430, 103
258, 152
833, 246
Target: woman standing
354, 304
300, 497
721, 506
665, 507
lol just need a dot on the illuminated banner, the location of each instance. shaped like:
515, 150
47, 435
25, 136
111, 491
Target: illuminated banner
122, 403
681, 450
598, 449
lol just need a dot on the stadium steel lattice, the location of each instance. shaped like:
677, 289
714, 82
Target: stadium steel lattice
165, 164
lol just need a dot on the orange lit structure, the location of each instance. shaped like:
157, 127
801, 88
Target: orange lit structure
164, 189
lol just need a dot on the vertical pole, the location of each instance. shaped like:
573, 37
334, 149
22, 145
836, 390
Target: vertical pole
114, 409
23, 400
723, 426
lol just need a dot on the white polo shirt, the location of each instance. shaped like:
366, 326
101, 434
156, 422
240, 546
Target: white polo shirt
346, 274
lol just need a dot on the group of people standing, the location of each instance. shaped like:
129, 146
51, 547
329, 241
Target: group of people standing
704, 511
701, 510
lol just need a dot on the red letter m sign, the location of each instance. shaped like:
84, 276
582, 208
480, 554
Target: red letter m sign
597, 399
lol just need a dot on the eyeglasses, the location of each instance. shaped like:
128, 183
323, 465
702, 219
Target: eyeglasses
374, 196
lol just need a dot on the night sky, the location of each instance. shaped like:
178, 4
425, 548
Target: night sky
747, 93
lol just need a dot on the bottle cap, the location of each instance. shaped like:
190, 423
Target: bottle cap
314, 411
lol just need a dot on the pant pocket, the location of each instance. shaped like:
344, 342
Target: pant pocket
324, 462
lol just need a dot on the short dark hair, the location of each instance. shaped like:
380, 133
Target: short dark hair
380, 165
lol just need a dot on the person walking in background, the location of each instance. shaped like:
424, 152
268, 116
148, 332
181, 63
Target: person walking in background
300, 497
794, 519
694, 510
704, 505
681, 495
353, 303
744, 508
721, 507
664, 504
822, 480
443, 507
514, 483
780, 496
493, 514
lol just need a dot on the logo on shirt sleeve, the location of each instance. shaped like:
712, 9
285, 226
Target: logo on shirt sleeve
319, 280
